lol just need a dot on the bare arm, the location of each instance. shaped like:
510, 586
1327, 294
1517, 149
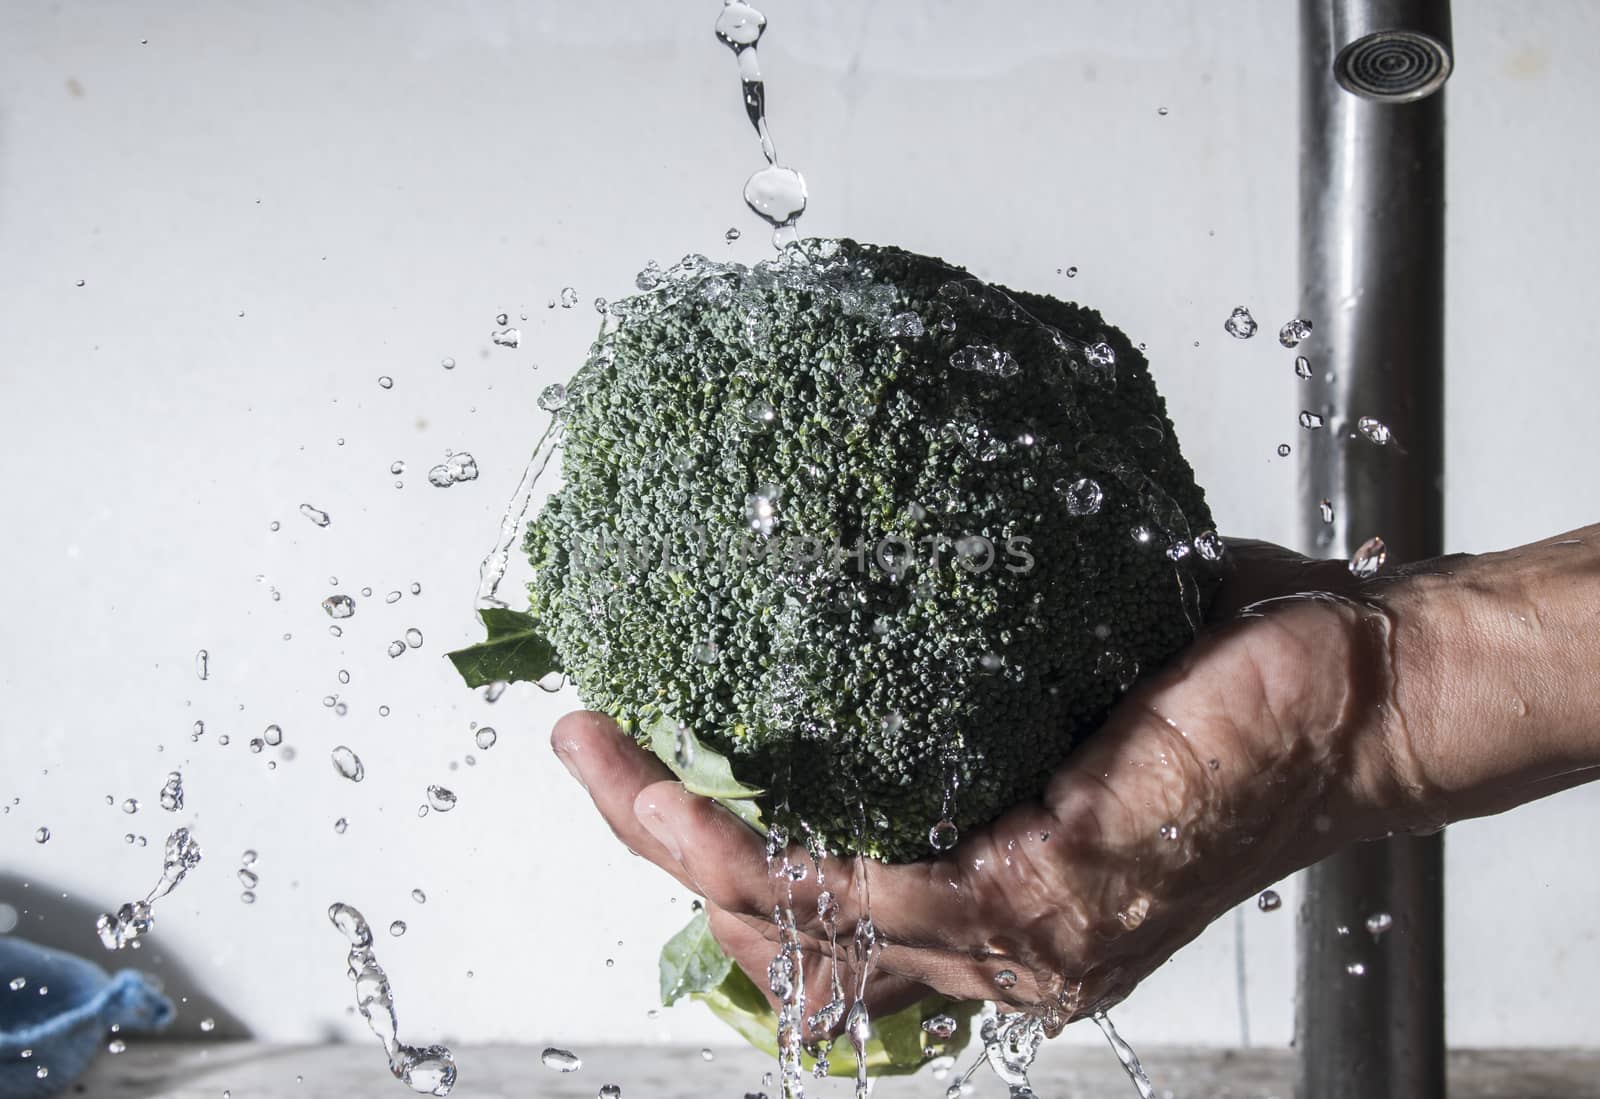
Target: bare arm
1319, 712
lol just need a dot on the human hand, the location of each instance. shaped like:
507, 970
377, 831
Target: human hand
1252, 754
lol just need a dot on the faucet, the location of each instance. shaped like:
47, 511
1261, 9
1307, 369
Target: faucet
1369, 1013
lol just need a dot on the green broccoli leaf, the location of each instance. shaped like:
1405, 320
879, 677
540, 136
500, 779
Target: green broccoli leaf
512, 652
897, 1045
692, 962
703, 771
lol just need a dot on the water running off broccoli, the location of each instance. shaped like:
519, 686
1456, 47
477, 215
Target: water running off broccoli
857, 543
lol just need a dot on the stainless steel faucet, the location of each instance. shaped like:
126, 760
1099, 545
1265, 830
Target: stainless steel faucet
1369, 1020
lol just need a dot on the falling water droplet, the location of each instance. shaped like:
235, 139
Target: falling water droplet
397, 928
396, 648
386, 382
1005, 979
1269, 901
441, 799
1302, 367
1240, 324
485, 737
202, 664
42, 835
340, 825
506, 337
348, 764
1283, 450
1293, 332
414, 638
339, 606
943, 835
1326, 508
561, 1060
1311, 421
130, 805
1375, 430
172, 792
1378, 923
316, 515
1369, 558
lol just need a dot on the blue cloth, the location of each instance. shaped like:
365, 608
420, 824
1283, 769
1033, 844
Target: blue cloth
64, 1028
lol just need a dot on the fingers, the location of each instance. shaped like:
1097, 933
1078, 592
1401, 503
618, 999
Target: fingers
613, 769
726, 863
752, 944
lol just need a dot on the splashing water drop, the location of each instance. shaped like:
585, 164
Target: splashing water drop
396, 648
1240, 324
506, 337
1378, 923
1126, 1055
440, 799
760, 415
984, 359
761, 508
1369, 558
1311, 421
560, 1060
1283, 450
348, 764
1006, 978
1326, 509
1269, 901
41, 835
1375, 430
1083, 496
1293, 332
1209, 545
339, 606
202, 664
1302, 367
172, 792
485, 737
135, 918
316, 515
553, 397
430, 1070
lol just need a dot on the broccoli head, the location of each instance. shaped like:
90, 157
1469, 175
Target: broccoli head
887, 538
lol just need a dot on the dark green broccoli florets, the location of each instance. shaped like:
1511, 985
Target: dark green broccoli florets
1030, 535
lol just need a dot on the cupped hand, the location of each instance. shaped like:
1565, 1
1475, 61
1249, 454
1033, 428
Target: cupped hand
1255, 752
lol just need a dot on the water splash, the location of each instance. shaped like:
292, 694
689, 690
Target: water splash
493, 569
776, 193
135, 918
1125, 1054
430, 1070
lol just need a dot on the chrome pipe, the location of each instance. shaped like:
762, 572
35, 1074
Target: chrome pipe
1369, 1019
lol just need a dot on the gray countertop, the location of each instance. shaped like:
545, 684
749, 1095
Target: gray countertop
251, 1070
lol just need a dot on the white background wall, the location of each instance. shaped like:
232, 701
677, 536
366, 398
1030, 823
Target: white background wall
272, 205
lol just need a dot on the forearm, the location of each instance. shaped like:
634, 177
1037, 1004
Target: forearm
1493, 677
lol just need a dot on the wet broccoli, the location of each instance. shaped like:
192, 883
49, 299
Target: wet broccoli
887, 538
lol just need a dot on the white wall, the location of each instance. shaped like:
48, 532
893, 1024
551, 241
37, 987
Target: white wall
370, 183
